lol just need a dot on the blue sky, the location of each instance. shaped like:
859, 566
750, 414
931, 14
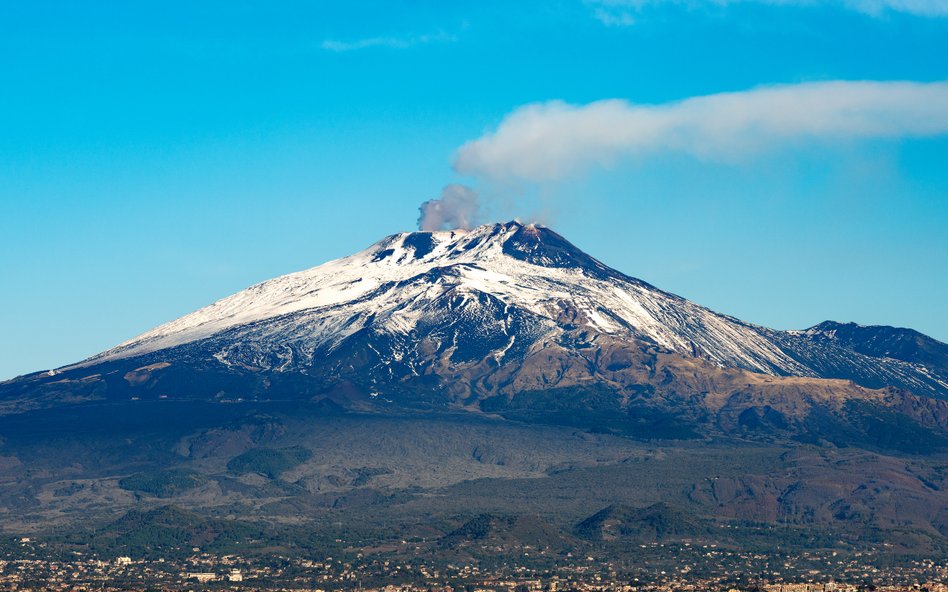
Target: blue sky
155, 157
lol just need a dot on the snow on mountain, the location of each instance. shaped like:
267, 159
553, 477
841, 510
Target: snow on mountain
872, 356
498, 292
402, 281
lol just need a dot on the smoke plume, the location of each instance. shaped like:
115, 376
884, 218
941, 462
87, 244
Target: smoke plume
456, 208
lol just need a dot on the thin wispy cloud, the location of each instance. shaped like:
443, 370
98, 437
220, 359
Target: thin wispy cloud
547, 141
628, 12
388, 42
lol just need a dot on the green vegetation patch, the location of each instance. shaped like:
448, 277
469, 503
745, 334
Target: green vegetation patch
658, 522
166, 483
270, 462
173, 532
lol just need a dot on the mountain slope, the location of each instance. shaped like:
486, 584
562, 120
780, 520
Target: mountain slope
423, 300
873, 357
906, 345
450, 382
490, 280
515, 321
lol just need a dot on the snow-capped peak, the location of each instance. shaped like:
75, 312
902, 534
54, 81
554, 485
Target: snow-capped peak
396, 284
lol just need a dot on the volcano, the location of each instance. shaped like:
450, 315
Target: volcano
465, 311
436, 360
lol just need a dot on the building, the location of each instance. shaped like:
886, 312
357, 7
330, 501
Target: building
202, 577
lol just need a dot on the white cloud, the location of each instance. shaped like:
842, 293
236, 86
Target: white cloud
626, 12
547, 141
614, 17
389, 42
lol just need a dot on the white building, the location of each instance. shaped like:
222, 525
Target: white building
202, 577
